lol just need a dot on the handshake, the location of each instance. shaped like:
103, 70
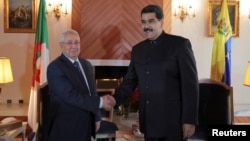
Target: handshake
108, 102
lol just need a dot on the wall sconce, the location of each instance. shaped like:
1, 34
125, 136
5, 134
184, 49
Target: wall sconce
247, 76
58, 8
182, 12
5, 72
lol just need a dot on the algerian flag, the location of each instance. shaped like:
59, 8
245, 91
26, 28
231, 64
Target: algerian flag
40, 63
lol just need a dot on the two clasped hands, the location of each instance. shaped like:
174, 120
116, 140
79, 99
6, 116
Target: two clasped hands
108, 102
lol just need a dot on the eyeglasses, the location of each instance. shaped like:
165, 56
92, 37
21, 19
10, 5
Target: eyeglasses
71, 43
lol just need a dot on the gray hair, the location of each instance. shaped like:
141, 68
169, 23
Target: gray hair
70, 31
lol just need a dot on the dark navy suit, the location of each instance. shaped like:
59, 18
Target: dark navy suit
73, 110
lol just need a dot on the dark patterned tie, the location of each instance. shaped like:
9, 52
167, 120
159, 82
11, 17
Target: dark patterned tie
76, 64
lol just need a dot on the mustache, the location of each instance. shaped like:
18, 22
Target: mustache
147, 29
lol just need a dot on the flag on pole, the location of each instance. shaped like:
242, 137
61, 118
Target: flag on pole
40, 63
221, 53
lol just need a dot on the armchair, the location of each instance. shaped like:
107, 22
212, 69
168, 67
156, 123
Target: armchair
43, 111
215, 106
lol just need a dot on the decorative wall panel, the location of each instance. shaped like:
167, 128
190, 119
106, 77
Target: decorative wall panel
110, 28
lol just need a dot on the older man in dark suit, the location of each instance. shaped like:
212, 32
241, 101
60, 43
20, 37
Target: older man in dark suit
163, 67
75, 105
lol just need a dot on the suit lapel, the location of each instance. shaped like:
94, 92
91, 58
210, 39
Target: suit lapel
75, 74
87, 74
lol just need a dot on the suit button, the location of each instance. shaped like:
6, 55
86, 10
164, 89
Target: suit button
147, 72
147, 102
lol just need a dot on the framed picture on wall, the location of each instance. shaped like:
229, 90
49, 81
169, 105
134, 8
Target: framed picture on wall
213, 13
19, 16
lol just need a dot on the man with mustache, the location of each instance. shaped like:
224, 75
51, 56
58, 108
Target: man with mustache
163, 67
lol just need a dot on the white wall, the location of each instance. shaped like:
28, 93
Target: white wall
196, 30
19, 48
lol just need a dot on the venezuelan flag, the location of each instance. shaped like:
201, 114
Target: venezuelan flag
221, 53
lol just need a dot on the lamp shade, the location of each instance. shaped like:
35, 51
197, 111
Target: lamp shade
5, 71
247, 76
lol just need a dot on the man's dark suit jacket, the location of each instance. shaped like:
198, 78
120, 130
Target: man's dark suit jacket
73, 110
166, 75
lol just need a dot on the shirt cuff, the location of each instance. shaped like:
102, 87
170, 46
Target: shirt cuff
101, 103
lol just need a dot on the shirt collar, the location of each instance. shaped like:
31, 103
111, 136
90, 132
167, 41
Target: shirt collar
156, 40
71, 60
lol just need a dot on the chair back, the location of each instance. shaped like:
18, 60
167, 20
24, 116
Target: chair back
43, 104
215, 105
107, 127
214, 102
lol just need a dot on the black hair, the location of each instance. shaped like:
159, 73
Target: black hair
153, 9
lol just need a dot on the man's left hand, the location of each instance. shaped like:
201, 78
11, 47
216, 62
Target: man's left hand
188, 130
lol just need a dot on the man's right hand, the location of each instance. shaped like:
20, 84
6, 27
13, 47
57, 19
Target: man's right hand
108, 102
